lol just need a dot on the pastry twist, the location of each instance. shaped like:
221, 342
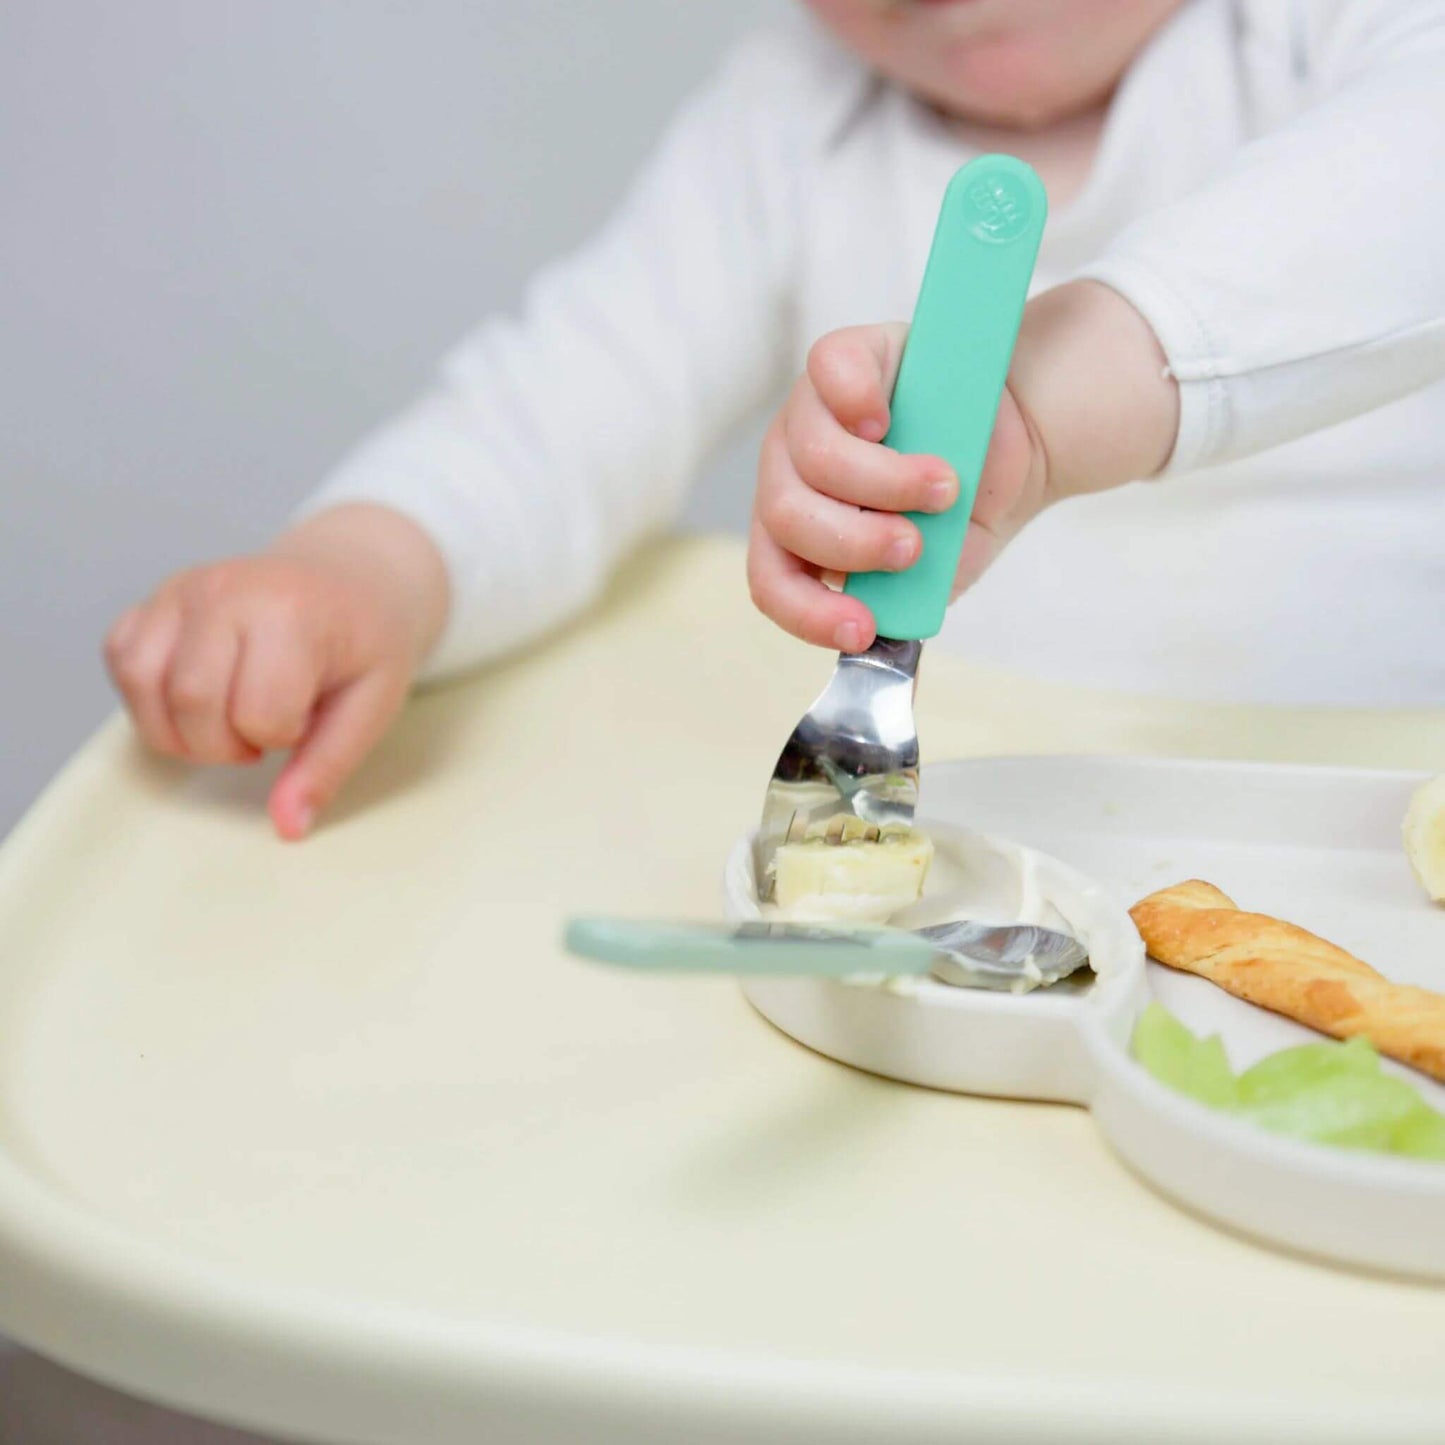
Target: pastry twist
1197, 929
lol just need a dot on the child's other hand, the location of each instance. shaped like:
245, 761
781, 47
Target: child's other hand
828, 494
311, 648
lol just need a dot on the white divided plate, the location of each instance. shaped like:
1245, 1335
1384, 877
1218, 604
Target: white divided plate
1317, 846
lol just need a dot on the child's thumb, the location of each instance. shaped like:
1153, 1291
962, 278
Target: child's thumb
346, 725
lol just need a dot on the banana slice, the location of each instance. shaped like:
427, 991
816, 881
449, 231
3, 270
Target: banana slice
1424, 832
847, 871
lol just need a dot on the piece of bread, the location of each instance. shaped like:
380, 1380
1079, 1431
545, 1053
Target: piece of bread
1196, 928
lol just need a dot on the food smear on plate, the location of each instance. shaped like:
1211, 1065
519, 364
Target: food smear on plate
925, 876
849, 870
1329, 1093
1196, 928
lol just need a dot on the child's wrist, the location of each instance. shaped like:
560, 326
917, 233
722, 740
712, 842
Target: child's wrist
385, 552
1093, 385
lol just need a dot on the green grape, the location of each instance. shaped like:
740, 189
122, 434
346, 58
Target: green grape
1422, 1135
1349, 1108
1289, 1071
1330, 1093
1194, 1066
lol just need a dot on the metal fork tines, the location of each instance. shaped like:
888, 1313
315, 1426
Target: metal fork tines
854, 751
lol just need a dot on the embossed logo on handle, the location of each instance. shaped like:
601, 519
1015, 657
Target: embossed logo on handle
998, 208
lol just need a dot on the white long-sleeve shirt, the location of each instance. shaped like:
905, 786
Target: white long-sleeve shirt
1269, 191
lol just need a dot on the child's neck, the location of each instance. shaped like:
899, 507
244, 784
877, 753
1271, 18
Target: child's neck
1062, 152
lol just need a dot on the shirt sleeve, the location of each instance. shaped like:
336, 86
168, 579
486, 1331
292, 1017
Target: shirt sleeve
1306, 283
557, 439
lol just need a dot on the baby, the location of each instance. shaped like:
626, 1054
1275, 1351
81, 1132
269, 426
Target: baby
1240, 293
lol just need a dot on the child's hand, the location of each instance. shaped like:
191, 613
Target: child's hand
310, 648
1090, 404
828, 493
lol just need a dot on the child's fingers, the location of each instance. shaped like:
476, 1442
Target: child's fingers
275, 688
784, 589
138, 654
833, 461
345, 727
198, 687
853, 371
825, 533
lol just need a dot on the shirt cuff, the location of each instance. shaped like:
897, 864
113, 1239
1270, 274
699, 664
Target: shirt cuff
1190, 354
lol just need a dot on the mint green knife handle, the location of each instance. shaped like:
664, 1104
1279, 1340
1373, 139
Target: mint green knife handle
785, 950
953, 369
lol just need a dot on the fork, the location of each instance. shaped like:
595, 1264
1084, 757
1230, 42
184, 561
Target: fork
856, 749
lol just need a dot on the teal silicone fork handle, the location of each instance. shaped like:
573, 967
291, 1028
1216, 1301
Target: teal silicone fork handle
952, 373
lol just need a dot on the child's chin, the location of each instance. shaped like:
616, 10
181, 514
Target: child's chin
1007, 82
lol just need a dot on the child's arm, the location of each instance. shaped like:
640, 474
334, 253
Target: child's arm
1304, 286
495, 506
560, 438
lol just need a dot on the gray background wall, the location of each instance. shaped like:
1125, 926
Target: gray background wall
235, 233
